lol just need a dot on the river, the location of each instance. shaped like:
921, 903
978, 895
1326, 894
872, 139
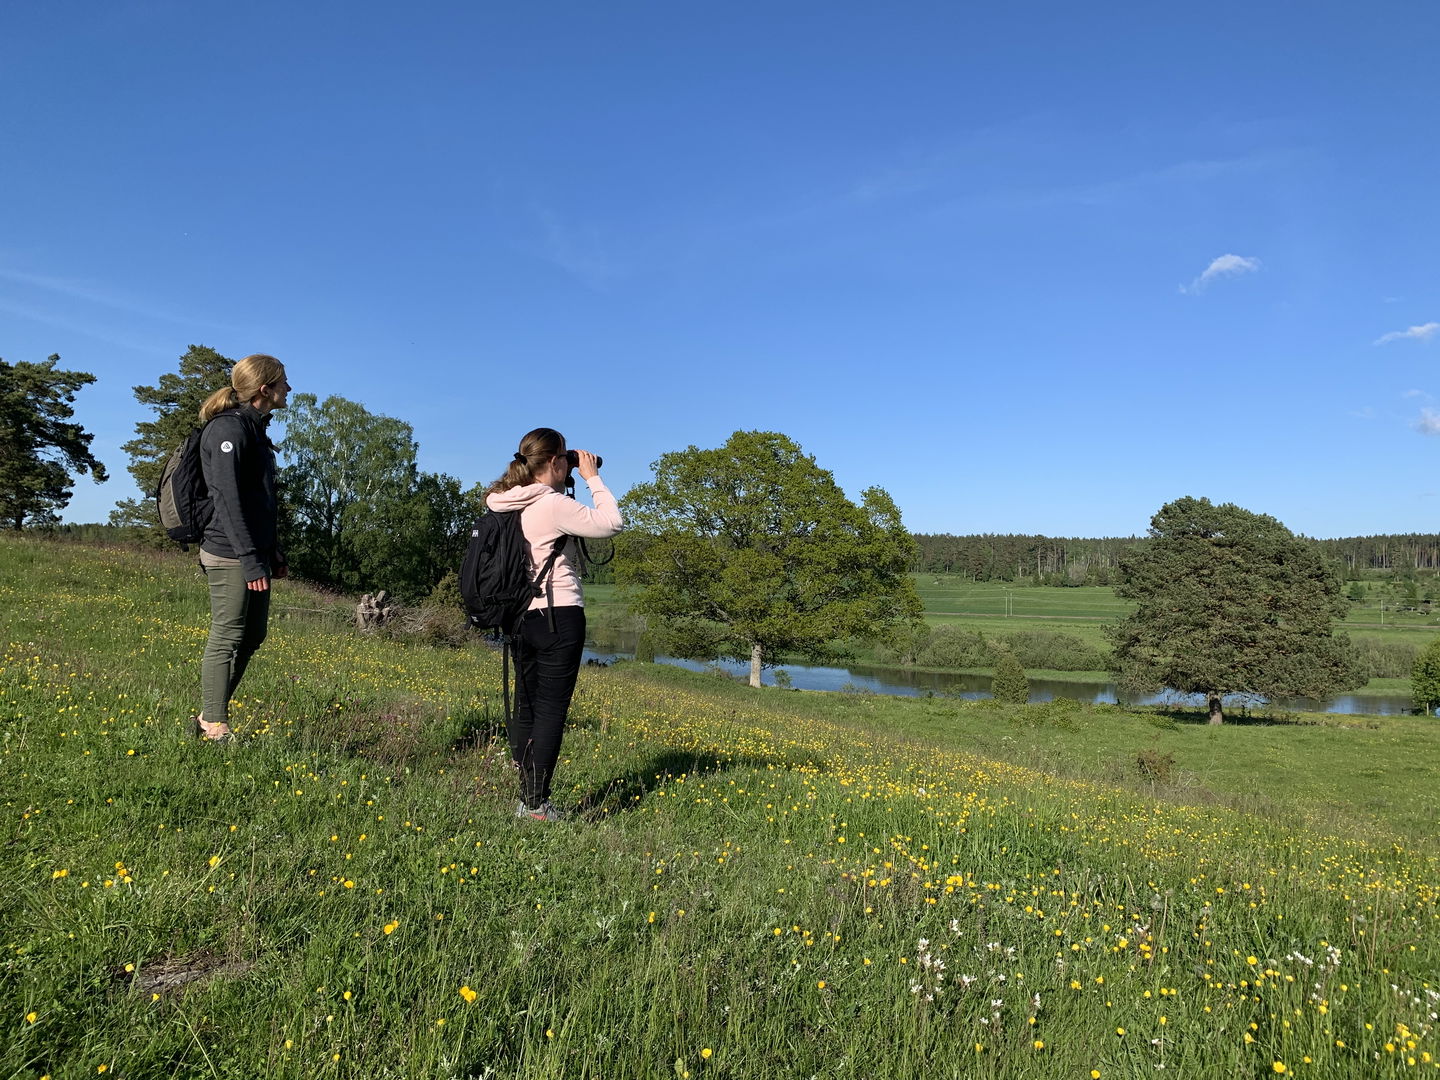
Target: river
905, 683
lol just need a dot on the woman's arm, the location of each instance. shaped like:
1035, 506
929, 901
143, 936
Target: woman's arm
577, 519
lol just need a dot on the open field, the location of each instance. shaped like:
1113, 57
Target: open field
759, 883
1082, 612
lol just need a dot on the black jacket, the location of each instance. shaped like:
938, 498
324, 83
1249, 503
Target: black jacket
238, 461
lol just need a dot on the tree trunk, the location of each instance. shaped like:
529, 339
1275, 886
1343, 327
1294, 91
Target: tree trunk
1217, 714
756, 654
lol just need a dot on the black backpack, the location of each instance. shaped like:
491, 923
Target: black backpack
181, 498
495, 581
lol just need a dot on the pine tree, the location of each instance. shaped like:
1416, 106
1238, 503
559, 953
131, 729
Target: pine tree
1231, 602
39, 446
176, 399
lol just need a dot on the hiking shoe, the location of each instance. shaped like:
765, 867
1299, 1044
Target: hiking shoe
546, 811
197, 726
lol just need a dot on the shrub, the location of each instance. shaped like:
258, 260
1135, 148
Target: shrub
1154, 765
1425, 678
645, 648
1386, 659
1009, 684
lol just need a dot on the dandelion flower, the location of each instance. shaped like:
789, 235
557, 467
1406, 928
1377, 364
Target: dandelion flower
1279, 1067
706, 1053
468, 994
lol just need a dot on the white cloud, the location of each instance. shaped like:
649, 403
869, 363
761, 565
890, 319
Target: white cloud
1415, 394
1224, 266
1416, 333
1429, 422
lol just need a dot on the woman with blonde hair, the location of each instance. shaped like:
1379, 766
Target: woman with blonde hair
238, 552
552, 633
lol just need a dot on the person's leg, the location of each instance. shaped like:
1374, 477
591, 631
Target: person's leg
557, 663
229, 601
257, 625
521, 719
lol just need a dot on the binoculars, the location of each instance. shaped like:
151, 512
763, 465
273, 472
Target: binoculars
574, 459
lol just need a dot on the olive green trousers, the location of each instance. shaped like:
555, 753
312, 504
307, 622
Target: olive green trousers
239, 618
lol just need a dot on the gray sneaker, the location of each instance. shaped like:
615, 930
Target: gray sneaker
546, 811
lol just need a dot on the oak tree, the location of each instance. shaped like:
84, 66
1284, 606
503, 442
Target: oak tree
751, 551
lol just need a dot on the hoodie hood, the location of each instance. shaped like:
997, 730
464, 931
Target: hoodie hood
518, 498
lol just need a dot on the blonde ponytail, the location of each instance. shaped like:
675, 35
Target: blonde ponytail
246, 379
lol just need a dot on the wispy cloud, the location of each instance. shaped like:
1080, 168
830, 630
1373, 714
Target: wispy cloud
69, 324
1224, 266
1429, 422
99, 294
1415, 394
580, 253
1423, 332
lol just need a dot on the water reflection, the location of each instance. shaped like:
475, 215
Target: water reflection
973, 687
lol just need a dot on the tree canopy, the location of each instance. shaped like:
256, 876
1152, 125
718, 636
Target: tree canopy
40, 446
1231, 602
356, 510
751, 550
176, 398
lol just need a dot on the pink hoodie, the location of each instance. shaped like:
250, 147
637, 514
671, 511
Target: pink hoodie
547, 514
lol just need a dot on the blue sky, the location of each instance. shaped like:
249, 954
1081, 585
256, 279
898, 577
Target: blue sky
1038, 267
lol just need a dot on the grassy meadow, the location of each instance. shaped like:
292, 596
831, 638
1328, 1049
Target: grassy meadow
755, 883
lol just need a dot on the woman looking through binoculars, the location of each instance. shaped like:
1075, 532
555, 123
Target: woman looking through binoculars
552, 633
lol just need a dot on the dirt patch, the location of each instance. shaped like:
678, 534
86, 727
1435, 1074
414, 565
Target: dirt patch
174, 973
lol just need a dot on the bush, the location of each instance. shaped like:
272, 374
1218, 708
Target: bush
1154, 765
1009, 685
1425, 678
1386, 659
1057, 652
645, 648
951, 647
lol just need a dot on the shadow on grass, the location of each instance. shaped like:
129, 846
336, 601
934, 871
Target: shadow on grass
1241, 718
627, 792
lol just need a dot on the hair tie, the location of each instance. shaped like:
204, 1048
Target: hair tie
521, 458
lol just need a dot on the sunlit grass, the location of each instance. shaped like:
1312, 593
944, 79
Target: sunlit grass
758, 884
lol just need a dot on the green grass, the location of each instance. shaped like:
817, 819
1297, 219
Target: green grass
760, 874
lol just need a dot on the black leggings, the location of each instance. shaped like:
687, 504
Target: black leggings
547, 662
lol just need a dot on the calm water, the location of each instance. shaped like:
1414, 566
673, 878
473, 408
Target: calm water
920, 683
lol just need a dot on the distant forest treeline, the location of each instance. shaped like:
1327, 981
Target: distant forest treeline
1056, 560
1039, 560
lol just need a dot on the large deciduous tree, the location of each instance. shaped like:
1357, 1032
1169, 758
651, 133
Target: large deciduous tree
176, 398
1231, 602
356, 510
40, 447
751, 550
346, 472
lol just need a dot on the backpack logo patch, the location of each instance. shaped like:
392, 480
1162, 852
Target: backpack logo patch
226, 446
